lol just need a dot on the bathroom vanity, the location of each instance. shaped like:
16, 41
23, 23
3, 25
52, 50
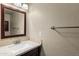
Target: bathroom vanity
33, 52
25, 48
13, 24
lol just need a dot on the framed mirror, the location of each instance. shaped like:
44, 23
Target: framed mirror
13, 22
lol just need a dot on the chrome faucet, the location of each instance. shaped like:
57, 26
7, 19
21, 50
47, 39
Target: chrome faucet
17, 42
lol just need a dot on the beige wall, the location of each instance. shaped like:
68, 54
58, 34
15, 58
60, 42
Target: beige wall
7, 41
43, 16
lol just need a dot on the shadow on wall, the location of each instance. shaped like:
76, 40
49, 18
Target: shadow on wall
42, 51
68, 33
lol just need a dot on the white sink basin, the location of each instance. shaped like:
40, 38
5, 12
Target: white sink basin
15, 49
19, 46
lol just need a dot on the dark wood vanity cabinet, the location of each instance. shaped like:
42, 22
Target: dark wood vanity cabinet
33, 52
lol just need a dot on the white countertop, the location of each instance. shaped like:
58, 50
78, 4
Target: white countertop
16, 49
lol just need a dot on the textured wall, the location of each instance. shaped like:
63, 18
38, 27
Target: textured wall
64, 41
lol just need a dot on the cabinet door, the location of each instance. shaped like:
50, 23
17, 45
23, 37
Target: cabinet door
34, 52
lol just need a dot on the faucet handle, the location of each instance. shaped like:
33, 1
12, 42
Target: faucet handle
17, 42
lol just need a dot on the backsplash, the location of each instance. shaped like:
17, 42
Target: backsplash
8, 41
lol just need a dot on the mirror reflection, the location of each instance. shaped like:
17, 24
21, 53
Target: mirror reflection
13, 22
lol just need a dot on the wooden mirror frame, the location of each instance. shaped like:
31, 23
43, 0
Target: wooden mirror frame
2, 22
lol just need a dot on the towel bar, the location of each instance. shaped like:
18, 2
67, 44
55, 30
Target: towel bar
53, 27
